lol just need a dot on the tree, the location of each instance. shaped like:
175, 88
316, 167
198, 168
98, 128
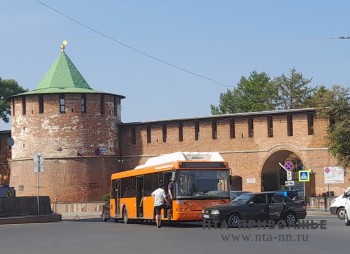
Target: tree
226, 105
8, 88
293, 90
339, 142
334, 104
255, 93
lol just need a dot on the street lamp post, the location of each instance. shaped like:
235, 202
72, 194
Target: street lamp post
121, 162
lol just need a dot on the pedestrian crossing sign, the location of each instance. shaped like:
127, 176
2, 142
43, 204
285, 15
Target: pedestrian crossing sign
304, 175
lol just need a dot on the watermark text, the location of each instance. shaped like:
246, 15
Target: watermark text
267, 224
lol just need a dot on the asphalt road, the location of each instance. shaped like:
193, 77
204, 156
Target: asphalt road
94, 236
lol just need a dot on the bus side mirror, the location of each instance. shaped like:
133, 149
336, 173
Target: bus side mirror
173, 175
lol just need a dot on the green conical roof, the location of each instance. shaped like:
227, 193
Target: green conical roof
63, 74
63, 77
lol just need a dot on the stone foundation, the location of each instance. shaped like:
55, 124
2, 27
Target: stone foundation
77, 207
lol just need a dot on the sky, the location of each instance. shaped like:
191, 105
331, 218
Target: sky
172, 59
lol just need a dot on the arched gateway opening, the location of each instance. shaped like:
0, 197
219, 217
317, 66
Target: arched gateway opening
273, 176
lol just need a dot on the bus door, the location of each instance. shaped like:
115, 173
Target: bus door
139, 196
167, 178
117, 198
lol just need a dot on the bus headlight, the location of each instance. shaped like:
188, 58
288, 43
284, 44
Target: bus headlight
215, 212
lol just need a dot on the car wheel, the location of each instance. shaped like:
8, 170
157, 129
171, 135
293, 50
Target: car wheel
125, 217
104, 218
234, 220
341, 213
290, 218
347, 221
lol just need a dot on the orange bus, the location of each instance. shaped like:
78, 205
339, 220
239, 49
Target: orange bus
201, 180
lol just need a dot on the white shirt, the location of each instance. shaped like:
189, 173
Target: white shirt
159, 195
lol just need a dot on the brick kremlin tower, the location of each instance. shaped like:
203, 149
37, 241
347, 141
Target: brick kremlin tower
75, 130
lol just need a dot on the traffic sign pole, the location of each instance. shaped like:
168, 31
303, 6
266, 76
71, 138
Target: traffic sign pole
288, 167
38, 167
304, 176
37, 184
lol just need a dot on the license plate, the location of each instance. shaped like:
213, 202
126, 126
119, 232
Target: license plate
206, 216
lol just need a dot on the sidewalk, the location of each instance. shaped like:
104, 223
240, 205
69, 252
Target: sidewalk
49, 218
318, 211
31, 219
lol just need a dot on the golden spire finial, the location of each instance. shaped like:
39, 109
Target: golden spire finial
63, 45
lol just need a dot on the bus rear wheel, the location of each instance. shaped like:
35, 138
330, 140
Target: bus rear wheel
125, 217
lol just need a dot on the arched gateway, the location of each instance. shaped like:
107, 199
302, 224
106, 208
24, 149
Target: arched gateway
274, 173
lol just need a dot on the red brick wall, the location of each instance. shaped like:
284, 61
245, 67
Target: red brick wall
66, 180
59, 137
71, 178
63, 134
246, 155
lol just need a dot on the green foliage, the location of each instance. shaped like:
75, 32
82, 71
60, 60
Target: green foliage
293, 90
334, 104
255, 93
259, 93
226, 105
339, 141
106, 197
8, 88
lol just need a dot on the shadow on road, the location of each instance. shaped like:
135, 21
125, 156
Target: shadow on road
152, 223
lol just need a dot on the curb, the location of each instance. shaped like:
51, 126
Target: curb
81, 216
31, 219
318, 212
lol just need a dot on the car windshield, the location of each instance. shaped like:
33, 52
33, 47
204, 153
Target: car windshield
243, 199
235, 194
203, 184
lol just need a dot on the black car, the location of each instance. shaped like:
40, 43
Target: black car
261, 206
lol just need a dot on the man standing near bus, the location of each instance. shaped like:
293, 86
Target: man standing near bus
171, 192
159, 202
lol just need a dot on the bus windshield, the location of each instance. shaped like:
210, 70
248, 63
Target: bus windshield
202, 184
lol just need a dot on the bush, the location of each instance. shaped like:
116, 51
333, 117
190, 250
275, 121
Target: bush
106, 197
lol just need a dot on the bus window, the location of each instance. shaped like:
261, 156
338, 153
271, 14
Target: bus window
128, 187
203, 183
151, 182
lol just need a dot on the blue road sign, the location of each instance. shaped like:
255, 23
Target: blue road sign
304, 175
